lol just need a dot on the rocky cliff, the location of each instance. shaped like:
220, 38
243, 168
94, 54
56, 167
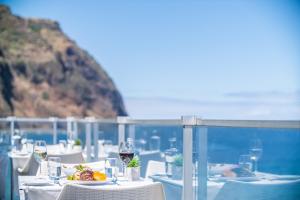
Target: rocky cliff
44, 73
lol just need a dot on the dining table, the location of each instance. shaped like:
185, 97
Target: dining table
173, 188
18, 160
36, 188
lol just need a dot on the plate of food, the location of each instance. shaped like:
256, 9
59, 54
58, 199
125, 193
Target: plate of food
237, 174
87, 176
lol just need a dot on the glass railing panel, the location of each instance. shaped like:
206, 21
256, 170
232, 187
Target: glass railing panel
160, 149
34, 131
255, 160
4, 134
107, 138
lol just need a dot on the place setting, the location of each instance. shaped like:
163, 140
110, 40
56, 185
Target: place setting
56, 174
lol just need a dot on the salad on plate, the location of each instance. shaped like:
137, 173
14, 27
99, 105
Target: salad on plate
85, 173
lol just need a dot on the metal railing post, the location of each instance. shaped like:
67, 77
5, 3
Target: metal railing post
69, 125
75, 128
121, 128
202, 162
188, 122
54, 128
95, 139
88, 134
12, 126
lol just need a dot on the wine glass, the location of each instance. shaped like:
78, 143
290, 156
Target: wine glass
126, 153
70, 140
62, 145
40, 152
255, 152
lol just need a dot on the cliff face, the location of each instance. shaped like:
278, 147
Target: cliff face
44, 73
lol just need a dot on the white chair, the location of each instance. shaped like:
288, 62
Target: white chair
145, 157
70, 158
275, 190
155, 167
31, 166
153, 191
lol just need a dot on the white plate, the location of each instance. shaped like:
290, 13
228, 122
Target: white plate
89, 182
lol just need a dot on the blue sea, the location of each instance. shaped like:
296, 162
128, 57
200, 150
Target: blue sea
281, 147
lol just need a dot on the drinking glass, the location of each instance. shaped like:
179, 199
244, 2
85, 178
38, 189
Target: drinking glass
169, 156
62, 145
155, 143
245, 162
107, 147
111, 168
140, 145
40, 152
255, 152
54, 168
126, 153
29, 145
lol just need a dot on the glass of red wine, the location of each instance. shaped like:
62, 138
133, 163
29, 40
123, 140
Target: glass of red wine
126, 153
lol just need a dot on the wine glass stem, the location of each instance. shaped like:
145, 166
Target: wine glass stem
255, 167
124, 170
41, 168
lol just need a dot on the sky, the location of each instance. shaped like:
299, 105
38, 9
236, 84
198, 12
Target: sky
212, 59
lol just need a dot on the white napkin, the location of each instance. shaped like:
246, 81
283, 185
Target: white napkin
35, 181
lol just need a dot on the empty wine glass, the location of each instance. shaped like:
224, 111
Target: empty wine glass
62, 145
40, 152
126, 153
70, 140
255, 152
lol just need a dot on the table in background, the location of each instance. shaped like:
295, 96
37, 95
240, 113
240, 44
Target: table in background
173, 188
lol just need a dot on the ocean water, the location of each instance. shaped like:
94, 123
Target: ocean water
281, 147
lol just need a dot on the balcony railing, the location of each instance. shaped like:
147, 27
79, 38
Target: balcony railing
194, 131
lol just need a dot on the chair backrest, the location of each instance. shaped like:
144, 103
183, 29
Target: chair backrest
152, 191
70, 158
30, 167
155, 167
236, 190
145, 157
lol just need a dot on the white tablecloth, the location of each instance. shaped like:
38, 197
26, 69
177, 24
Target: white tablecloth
173, 188
51, 192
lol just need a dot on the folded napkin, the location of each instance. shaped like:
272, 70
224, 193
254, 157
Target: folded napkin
38, 182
